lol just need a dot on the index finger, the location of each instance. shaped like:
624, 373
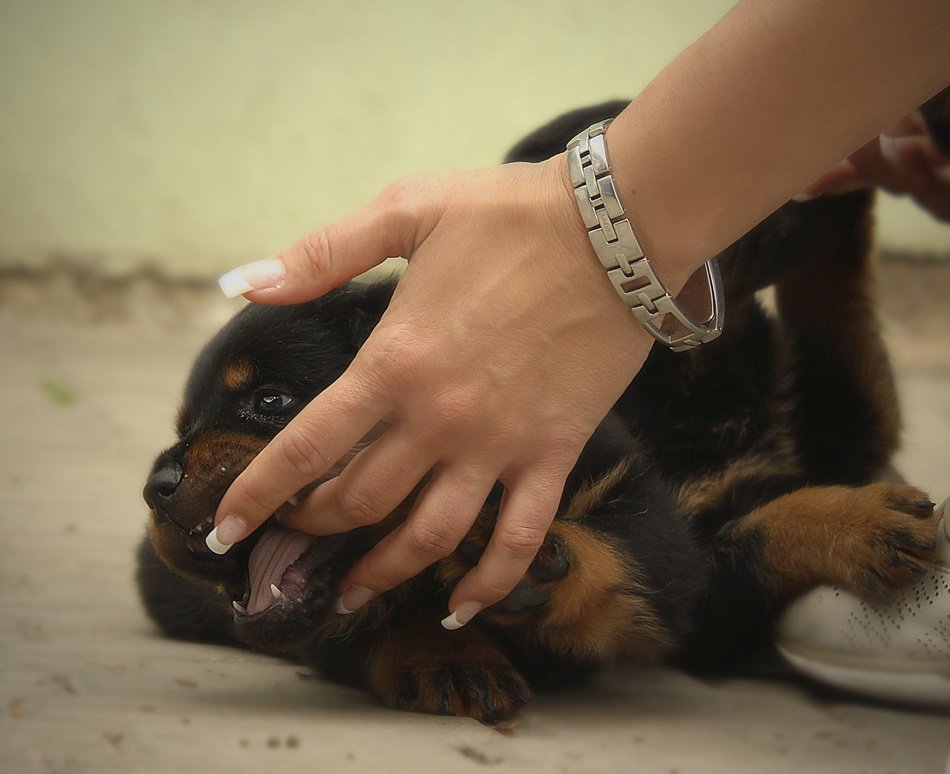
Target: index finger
325, 430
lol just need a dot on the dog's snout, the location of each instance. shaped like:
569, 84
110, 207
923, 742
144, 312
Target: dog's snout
162, 485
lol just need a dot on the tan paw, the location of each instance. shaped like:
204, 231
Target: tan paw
894, 534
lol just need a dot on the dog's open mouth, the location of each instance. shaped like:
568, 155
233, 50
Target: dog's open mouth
271, 570
278, 568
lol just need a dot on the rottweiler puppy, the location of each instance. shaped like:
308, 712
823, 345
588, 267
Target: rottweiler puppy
725, 481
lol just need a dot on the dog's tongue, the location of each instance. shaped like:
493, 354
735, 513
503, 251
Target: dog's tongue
277, 549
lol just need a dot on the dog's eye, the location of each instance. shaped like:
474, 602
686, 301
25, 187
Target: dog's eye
271, 402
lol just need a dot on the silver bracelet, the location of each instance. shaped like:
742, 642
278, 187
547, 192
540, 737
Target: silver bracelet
619, 251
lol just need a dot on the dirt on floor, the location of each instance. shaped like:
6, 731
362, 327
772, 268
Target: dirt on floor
94, 370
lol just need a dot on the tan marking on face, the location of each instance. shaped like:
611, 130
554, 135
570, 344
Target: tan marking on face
220, 454
238, 374
590, 496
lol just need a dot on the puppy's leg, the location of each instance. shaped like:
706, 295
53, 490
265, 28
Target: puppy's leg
873, 540
847, 415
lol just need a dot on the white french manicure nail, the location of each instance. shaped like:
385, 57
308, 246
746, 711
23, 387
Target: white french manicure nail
226, 534
803, 197
353, 599
461, 616
260, 275
216, 545
889, 151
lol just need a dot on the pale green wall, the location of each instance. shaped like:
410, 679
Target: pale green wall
196, 135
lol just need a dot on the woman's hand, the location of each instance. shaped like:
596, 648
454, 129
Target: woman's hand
903, 160
503, 348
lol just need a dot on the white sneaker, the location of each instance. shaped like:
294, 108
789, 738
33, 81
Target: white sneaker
897, 651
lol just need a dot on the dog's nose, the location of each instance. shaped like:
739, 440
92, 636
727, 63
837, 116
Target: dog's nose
161, 485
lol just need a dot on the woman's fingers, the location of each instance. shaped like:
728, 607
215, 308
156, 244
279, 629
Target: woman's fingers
842, 178
903, 160
440, 518
302, 452
927, 174
527, 511
391, 225
371, 486
325, 430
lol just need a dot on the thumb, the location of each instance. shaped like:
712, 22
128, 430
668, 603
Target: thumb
391, 225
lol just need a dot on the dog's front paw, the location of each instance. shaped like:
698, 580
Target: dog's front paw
897, 538
491, 694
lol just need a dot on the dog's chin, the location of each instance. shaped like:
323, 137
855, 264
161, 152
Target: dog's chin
289, 586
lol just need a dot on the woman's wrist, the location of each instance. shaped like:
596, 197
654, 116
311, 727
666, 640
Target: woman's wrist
673, 246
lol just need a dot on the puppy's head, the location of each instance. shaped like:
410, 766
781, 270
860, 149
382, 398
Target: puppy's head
253, 377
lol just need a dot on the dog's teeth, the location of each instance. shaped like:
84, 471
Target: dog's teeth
292, 500
239, 607
275, 591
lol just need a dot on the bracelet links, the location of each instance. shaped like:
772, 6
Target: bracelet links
619, 251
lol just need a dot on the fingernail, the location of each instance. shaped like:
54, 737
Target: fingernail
889, 152
803, 197
260, 275
353, 599
226, 534
461, 616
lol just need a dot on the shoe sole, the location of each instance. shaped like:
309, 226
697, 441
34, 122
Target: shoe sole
924, 684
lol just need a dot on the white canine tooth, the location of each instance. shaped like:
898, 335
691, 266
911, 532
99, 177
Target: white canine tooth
276, 591
239, 607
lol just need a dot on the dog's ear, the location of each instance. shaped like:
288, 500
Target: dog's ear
551, 138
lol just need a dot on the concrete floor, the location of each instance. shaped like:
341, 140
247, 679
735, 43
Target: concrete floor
93, 373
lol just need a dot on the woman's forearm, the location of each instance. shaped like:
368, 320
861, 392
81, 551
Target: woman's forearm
759, 107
